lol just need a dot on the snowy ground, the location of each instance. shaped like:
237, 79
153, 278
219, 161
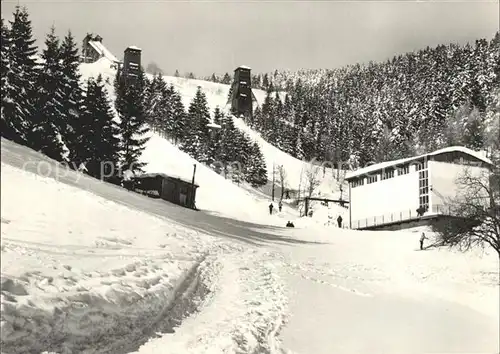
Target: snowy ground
90, 267
375, 292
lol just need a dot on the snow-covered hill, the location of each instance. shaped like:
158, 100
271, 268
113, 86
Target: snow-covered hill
89, 266
216, 193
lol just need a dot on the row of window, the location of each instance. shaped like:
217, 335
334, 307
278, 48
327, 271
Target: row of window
389, 173
424, 201
423, 183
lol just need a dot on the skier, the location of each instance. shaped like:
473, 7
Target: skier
280, 205
339, 221
271, 209
422, 238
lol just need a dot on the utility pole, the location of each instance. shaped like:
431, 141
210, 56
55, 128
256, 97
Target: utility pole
273, 183
192, 187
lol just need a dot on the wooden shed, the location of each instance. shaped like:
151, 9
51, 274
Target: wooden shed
169, 188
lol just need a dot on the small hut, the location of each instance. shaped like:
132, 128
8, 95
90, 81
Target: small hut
173, 189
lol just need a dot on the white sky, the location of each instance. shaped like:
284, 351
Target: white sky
217, 36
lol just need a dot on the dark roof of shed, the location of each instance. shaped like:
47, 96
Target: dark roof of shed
163, 175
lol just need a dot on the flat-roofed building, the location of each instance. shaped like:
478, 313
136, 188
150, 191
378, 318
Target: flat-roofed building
400, 191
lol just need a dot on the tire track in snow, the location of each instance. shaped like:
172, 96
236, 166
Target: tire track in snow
243, 313
117, 321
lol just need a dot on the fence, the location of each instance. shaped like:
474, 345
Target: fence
400, 216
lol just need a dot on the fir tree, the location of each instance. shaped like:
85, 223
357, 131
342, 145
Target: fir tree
98, 139
178, 117
228, 152
71, 91
216, 141
256, 173
129, 104
45, 134
196, 140
226, 79
5, 51
158, 105
18, 94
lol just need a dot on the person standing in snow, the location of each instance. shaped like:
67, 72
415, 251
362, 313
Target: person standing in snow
422, 238
280, 205
271, 209
339, 221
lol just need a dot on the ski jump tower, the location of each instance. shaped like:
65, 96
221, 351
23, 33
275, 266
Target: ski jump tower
131, 65
241, 96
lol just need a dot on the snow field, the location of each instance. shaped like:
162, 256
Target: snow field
79, 271
244, 315
394, 297
371, 263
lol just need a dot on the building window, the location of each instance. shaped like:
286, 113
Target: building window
371, 179
403, 170
358, 182
388, 174
422, 165
423, 188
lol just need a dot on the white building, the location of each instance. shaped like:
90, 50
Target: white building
396, 191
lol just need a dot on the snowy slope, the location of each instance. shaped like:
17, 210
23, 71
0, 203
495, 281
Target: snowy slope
75, 266
217, 96
215, 194
296, 170
88, 266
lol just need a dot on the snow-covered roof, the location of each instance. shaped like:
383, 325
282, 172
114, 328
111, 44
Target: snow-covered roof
213, 125
101, 49
244, 67
393, 163
133, 47
164, 175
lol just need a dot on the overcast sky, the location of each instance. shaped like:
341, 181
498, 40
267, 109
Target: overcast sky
217, 36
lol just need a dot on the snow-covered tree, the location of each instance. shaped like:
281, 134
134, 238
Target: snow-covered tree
48, 117
256, 172
197, 134
98, 143
71, 91
18, 94
4, 70
129, 104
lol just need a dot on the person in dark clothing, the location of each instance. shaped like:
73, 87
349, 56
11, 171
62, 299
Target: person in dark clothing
271, 209
422, 239
339, 221
290, 224
280, 205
